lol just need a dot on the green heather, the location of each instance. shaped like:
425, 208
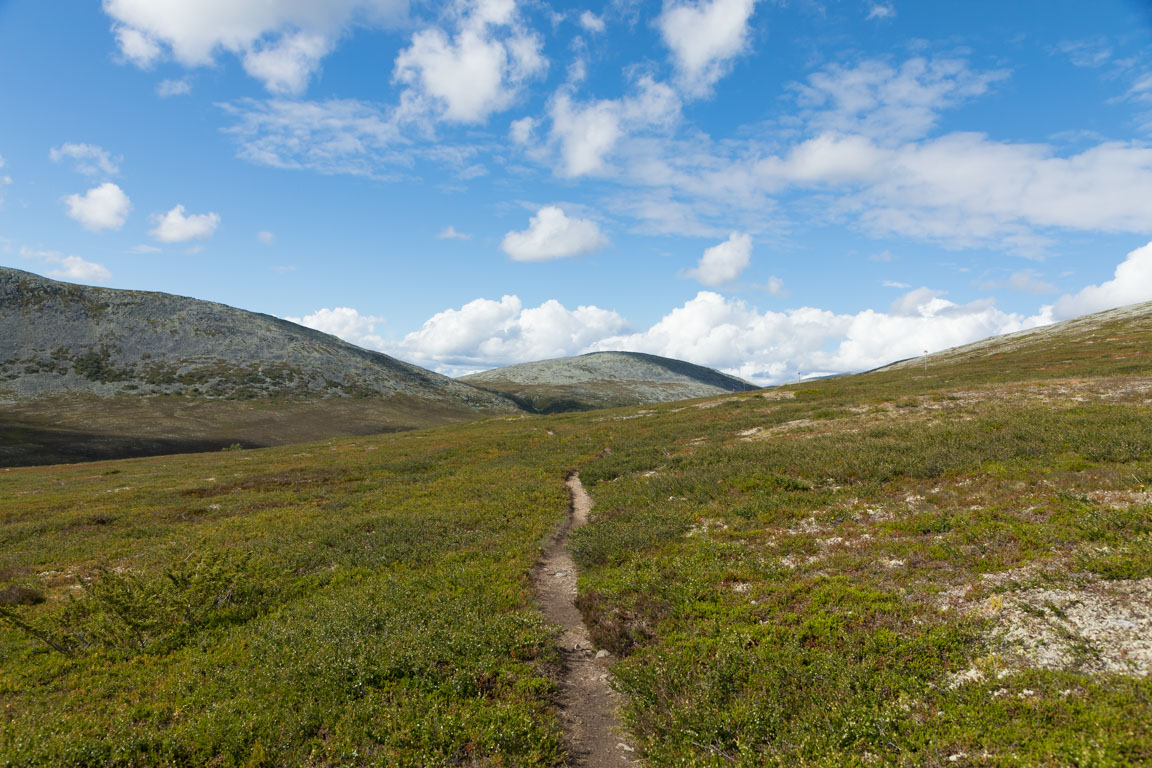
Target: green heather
839, 573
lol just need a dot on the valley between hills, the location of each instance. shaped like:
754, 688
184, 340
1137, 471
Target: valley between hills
946, 562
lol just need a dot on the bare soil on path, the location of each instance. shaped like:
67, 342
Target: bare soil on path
588, 705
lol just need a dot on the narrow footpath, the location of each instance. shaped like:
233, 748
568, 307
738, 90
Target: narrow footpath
588, 706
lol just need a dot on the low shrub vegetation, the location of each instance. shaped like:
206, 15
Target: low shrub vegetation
853, 572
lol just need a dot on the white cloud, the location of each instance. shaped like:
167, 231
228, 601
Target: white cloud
895, 284
768, 347
825, 159
266, 237
76, 268
591, 22
343, 322
1131, 283
168, 88
178, 227
774, 347
521, 130
5, 180
890, 104
586, 133
280, 42
881, 11
966, 188
449, 233
723, 263
286, 65
552, 235
138, 47
90, 159
709, 329
774, 287
705, 37
1086, 53
486, 333
338, 136
475, 72
144, 248
69, 267
102, 207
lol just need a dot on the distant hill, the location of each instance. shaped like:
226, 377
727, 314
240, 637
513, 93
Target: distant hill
96, 372
605, 380
1115, 340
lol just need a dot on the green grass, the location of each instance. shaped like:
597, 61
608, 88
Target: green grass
787, 578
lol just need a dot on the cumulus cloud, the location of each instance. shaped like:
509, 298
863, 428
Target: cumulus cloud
72, 268
729, 334
766, 347
475, 72
280, 42
881, 11
591, 22
485, 333
723, 263
266, 237
704, 38
586, 133
102, 207
553, 235
1131, 283
176, 226
89, 159
345, 323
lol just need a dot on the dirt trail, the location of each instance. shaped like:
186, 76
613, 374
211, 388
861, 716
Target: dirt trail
587, 704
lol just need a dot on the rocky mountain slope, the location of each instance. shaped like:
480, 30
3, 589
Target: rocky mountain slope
111, 362
604, 380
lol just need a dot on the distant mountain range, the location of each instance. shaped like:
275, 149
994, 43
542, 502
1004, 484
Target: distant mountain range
605, 380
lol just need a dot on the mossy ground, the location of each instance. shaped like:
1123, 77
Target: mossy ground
818, 575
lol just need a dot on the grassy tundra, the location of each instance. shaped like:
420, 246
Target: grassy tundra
910, 567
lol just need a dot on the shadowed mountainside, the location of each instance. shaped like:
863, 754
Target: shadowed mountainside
605, 380
96, 372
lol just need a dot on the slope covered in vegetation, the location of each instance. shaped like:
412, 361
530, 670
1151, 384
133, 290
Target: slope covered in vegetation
910, 567
99, 373
605, 380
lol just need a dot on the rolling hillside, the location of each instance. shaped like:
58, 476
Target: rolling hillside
605, 380
95, 372
908, 568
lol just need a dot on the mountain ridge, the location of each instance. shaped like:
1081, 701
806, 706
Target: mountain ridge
605, 379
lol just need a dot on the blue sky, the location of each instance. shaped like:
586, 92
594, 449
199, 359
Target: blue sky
771, 188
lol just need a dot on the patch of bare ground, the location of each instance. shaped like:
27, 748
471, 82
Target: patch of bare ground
588, 705
1086, 624
1104, 627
